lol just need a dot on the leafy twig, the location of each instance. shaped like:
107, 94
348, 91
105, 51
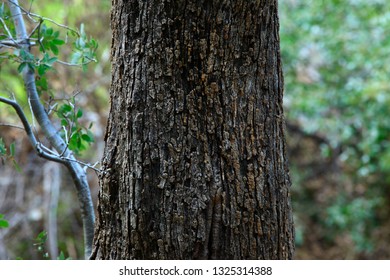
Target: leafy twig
76, 171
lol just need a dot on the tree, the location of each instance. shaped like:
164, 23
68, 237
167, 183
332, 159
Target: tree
18, 45
195, 159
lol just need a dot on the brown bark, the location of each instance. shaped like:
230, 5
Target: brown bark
195, 154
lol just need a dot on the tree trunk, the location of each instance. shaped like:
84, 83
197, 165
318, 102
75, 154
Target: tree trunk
195, 154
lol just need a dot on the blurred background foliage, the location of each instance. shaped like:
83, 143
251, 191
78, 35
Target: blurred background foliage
336, 58
336, 67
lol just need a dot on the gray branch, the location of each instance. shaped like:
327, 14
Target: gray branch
78, 174
37, 145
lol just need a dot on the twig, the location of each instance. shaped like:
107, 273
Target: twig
37, 145
90, 60
6, 29
35, 28
41, 18
85, 164
13, 44
78, 174
12, 125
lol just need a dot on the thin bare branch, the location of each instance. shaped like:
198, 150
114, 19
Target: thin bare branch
31, 15
26, 126
6, 29
90, 60
88, 165
35, 28
12, 125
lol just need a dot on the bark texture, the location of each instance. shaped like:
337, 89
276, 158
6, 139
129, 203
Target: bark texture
195, 154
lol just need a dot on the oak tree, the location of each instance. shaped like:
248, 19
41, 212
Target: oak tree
195, 158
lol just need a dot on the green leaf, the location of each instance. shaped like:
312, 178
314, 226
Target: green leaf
58, 42
31, 66
52, 60
3, 149
84, 66
26, 56
79, 113
75, 129
61, 257
64, 122
4, 223
76, 56
67, 107
64, 110
42, 237
43, 28
49, 31
41, 82
12, 149
21, 67
2, 10
72, 33
54, 49
87, 138
94, 43
74, 143
42, 68
82, 30
80, 43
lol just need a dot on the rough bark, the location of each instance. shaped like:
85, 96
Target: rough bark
195, 154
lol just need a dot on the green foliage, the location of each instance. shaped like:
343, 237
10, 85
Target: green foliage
3, 222
40, 241
356, 216
62, 257
40, 244
9, 154
3, 149
84, 49
50, 40
26, 60
337, 78
56, 87
335, 57
51, 45
5, 18
78, 136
